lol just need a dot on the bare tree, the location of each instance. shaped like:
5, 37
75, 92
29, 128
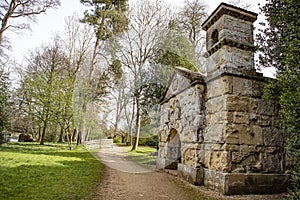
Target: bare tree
77, 43
190, 18
241, 4
148, 23
10, 10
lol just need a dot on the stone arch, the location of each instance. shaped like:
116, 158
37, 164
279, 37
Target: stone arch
215, 36
173, 149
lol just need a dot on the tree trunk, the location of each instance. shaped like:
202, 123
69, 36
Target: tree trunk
79, 137
61, 135
130, 120
43, 133
137, 125
74, 135
39, 134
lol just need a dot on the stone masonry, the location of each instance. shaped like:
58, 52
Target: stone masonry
216, 129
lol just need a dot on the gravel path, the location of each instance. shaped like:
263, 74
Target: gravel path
125, 180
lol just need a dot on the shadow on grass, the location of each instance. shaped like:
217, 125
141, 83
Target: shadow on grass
66, 179
47, 149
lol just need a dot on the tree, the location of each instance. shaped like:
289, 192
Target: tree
148, 24
190, 18
4, 103
44, 84
10, 10
175, 50
279, 47
77, 45
108, 18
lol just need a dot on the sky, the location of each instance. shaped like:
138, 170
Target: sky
53, 21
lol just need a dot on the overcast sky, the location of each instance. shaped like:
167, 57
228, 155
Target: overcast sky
53, 21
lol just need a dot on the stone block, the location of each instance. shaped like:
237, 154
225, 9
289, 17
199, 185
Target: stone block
194, 176
189, 157
237, 103
272, 163
255, 136
241, 86
214, 180
236, 133
220, 161
240, 118
216, 105
218, 117
267, 107
243, 134
164, 135
255, 183
214, 133
257, 88
273, 136
245, 162
217, 87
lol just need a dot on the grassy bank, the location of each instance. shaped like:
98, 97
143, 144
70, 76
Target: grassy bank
144, 155
31, 171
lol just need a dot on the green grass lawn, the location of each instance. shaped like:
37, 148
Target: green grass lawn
31, 171
143, 155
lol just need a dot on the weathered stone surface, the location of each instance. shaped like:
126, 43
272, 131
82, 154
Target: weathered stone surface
214, 179
237, 103
214, 133
220, 161
215, 105
190, 174
273, 135
217, 87
255, 183
228, 137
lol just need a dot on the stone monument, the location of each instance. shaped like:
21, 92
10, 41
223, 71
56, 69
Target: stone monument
216, 130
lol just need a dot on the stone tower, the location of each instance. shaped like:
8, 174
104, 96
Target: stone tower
229, 39
217, 130
242, 135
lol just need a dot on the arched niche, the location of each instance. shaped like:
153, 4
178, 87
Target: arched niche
215, 36
173, 149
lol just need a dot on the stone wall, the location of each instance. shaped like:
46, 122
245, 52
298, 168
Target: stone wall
183, 113
242, 133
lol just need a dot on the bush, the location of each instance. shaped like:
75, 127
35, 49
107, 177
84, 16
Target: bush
151, 141
117, 139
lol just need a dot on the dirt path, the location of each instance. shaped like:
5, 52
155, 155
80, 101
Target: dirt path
119, 185
125, 180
